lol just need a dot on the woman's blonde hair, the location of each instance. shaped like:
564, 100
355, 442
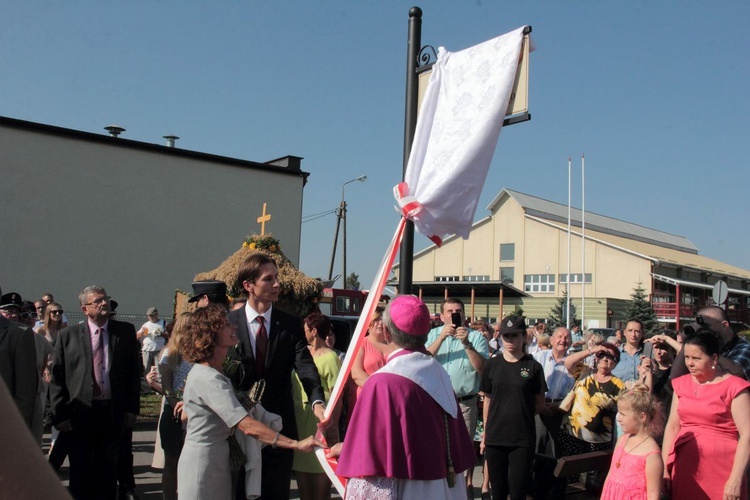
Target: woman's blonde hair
49, 325
178, 330
377, 314
640, 400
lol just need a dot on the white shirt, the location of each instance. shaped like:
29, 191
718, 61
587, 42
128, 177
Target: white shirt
153, 340
253, 325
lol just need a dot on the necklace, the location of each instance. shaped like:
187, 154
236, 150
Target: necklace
697, 385
626, 452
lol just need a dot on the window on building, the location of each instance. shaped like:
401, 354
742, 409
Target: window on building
507, 274
574, 278
477, 277
507, 252
446, 278
539, 283
342, 305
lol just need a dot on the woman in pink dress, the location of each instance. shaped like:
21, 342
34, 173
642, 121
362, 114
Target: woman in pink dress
707, 438
371, 357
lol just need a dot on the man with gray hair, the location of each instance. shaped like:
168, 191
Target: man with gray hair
411, 401
95, 393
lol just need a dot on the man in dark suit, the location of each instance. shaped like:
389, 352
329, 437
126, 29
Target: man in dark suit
95, 393
18, 359
272, 343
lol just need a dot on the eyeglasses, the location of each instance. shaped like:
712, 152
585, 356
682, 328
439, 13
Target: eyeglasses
605, 355
56, 311
98, 301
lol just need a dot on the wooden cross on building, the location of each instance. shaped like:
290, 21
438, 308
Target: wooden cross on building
263, 219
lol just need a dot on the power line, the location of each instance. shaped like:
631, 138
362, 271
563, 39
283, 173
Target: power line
312, 217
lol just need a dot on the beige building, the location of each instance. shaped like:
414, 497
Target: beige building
518, 256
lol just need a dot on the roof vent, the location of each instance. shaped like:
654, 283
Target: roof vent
170, 140
114, 130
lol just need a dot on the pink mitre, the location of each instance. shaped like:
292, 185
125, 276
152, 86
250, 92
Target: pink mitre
410, 315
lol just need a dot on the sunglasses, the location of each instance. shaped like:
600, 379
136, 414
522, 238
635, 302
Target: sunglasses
605, 355
28, 315
56, 311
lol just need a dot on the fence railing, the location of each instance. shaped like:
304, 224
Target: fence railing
136, 320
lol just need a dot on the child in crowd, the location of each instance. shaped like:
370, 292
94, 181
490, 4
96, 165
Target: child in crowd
544, 343
636, 469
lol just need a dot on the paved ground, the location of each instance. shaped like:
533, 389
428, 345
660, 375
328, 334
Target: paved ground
147, 479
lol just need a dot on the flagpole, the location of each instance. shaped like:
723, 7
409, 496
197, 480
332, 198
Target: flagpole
583, 240
567, 281
414, 44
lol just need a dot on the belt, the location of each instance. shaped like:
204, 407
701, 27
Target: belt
466, 398
548, 400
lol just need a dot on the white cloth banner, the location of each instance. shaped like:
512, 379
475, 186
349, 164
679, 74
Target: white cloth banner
457, 130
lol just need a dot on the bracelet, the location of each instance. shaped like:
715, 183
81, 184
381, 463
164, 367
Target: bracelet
275, 440
468, 347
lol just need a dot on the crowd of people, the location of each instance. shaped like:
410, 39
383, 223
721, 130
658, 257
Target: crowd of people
245, 387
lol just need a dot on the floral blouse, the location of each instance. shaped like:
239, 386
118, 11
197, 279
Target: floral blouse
591, 417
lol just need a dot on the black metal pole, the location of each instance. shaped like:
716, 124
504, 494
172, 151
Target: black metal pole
414, 45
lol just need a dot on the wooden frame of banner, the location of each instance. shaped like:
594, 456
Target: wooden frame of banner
518, 106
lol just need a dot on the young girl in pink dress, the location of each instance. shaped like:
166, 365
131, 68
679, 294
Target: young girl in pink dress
637, 466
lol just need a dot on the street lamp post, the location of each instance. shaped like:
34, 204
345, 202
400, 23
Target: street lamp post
342, 215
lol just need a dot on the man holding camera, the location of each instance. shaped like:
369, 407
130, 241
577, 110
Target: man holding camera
462, 352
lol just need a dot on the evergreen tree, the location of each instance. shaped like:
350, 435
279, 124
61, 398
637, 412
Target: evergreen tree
556, 315
352, 282
640, 308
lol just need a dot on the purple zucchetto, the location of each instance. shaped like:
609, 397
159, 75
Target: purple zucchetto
410, 315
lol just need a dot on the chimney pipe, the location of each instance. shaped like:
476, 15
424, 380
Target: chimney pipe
114, 130
170, 140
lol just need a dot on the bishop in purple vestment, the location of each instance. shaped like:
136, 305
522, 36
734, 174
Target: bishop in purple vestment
407, 438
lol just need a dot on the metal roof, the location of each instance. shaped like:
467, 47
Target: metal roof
464, 288
558, 212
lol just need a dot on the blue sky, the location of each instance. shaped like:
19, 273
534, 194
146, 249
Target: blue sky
654, 93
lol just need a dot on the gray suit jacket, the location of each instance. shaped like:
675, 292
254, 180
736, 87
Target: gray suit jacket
18, 366
72, 385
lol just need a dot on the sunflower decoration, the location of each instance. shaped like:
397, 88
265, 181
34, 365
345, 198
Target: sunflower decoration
262, 242
299, 293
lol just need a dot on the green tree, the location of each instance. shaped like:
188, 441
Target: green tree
639, 307
557, 314
352, 282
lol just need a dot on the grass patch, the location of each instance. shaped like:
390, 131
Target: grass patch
150, 407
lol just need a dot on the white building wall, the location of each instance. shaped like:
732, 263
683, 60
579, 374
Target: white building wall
141, 223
